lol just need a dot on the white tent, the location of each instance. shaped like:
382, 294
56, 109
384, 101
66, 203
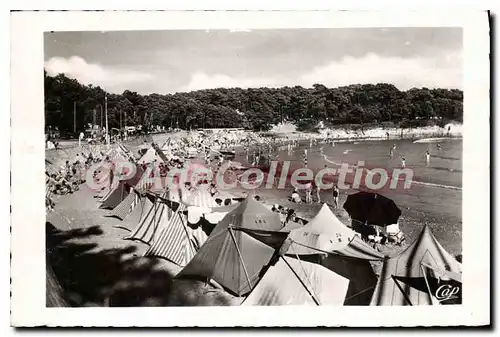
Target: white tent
294, 282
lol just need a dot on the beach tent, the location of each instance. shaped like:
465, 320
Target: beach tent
160, 154
139, 211
175, 241
116, 196
412, 277
126, 206
295, 282
231, 256
152, 220
324, 233
149, 157
327, 241
134, 179
198, 203
105, 187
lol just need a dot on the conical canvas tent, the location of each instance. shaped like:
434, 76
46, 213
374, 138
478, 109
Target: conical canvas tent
116, 196
149, 157
404, 279
324, 233
294, 282
346, 254
150, 225
232, 257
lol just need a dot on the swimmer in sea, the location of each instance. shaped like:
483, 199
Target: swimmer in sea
439, 147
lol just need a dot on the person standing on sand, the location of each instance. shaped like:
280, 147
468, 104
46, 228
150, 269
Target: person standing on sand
308, 193
403, 162
80, 138
335, 194
427, 157
391, 151
318, 190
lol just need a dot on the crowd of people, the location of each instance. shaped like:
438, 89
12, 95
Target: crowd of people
68, 178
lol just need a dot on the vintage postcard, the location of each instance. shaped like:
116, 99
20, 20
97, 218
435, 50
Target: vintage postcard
250, 168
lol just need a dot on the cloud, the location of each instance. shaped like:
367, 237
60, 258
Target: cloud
202, 80
444, 71
115, 80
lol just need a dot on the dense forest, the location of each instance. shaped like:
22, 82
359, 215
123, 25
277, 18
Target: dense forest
255, 109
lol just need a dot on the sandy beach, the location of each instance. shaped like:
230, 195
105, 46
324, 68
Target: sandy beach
82, 241
97, 267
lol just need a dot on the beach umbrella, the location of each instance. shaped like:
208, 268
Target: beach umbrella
373, 208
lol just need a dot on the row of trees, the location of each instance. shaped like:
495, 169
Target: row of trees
256, 109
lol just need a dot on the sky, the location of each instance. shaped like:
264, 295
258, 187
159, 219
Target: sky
185, 60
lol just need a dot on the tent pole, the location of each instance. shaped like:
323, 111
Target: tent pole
241, 258
304, 271
402, 291
302, 282
427, 285
185, 229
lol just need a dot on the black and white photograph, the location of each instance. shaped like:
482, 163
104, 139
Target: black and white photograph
258, 167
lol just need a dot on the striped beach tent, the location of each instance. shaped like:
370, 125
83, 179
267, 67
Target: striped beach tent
126, 206
139, 211
175, 242
116, 196
199, 202
152, 221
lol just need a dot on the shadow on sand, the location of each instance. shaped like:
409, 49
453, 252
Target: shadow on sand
116, 277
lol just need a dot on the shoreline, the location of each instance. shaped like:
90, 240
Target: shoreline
377, 133
334, 134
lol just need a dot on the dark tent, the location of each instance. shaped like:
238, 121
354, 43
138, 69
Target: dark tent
412, 277
232, 257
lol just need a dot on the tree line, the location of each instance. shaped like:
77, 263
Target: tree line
255, 108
